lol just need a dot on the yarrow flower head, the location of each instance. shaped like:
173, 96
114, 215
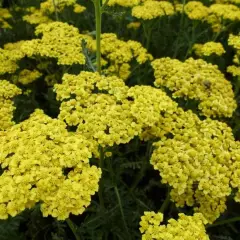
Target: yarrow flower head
9, 57
123, 3
198, 80
185, 228
109, 112
7, 92
119, 54
98, 106
234, 41
152, 9
47, 8
4, 16
27, 76
208, 49
196, 162
153, 109
195, 10
59, 40
43, 162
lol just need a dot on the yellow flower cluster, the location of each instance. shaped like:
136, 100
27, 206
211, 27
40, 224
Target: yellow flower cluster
105, 118
185, 228
153, 109
59, 40
27, 76
197, 164
234, 70
228, 1
235, 168
118, 55
47, 8
195, 10
227, 12
123, 3
234, 41
153, 9
7, 92
134, 25
198, 80
208, 49
4, 15
9, 56
217, 14
107, 111
78, 8
36, 16
45, 163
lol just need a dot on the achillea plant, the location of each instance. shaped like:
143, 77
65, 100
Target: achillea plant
119, 119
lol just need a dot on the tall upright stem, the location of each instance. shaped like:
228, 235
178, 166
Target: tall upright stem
72, 227
98, 19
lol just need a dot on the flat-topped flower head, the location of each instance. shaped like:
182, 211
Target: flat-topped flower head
9, 57
123, 3
198, 80
118, 55
153, 9
35, 155
208, 49
196, 162
153, 110
195, 10
185, 227
98, 105
234, 41
59, 40
4, 16
48, 8
7, 92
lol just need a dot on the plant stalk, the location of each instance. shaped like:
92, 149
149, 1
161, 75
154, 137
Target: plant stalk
98, 19
73, 228
223, 222
166, 202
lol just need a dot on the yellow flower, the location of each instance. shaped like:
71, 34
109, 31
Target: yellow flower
186, 227
78, 8
197, 163
26, 76
36, 153
195, 10
199, 80
152, 9
134, 25
123, 3
209, 48
7, 92
59, 40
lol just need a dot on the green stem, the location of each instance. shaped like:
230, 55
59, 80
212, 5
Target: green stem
193, 40
98, 17
223, 222
55, 10
121, 209
147, 29
73, 228
180, 30
144, 166
166, 202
